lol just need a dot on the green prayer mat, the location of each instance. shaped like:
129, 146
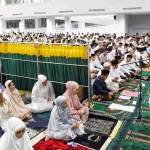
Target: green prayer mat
132, 134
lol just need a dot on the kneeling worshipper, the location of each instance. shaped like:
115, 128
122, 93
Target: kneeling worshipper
126, 66
16, 137
93, 66
5, 112
42, 95
77, 110
100, 90
114, 75
142, 54
121, 70
62, 126
18, 107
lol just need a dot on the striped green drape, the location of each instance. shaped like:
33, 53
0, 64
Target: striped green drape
47, 57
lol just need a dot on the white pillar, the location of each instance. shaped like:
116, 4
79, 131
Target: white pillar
22, 25
67, 24
122, 24
51, 25
2, 26
37, 23
81, 24
3, 2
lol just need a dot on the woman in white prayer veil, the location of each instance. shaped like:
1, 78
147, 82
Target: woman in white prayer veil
16, 137
61, 124
42, 95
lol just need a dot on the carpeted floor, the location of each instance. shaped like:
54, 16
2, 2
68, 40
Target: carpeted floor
101, 108
132, 135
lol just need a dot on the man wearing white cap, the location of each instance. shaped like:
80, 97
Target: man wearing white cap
42, 95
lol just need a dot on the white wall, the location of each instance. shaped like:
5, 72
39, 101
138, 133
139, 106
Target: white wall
101, 29
52, 8
139, 23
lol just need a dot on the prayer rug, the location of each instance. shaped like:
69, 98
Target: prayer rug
37, 122
53, 144
99, 130
132, 135
100, 124
33, 132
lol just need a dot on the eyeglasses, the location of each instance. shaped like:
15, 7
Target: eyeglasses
21, 131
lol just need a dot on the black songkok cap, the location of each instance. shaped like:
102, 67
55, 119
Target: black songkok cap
104, 72
141, 49
109, 48
117, 57
92, 55
129, 56
126, 44
114, 62
97, 51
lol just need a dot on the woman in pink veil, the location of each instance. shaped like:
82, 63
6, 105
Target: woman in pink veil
77, 110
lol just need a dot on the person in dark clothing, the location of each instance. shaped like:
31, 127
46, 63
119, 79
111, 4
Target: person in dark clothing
101, 92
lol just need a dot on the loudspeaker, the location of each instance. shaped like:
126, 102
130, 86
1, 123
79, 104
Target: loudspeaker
114, 17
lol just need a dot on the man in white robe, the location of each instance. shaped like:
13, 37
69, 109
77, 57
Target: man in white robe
42, 95
113, 74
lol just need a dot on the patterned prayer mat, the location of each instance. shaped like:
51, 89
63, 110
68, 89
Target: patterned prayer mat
33, 132
101, 107
100, 131
37, 122
100, 124
132, 135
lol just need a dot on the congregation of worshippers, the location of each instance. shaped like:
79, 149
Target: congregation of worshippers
113, 61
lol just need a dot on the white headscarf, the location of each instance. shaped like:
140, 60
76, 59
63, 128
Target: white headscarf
9, 141
41, 79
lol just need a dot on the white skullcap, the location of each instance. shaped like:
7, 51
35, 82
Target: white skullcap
130, 49
42, 77
106, 64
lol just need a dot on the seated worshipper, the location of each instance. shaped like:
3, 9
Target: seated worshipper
77, 110
100, 89
103, 56
62, 126
17, 104
5, 112
121, 71
98, 60
147, 45
110, 57
110, 85
42, 95
16, 137
133, 66
126, 67
93, 66
113, 74
142, 54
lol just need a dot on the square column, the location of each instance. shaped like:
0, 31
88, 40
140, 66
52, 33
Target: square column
67, 24
2, 26
122, 24
51, 25
22, 25
3, 2
37, 23
81, 24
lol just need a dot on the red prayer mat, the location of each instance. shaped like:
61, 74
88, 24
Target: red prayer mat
53, 144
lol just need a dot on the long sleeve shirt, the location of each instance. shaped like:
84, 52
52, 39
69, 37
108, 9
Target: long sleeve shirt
99, 87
